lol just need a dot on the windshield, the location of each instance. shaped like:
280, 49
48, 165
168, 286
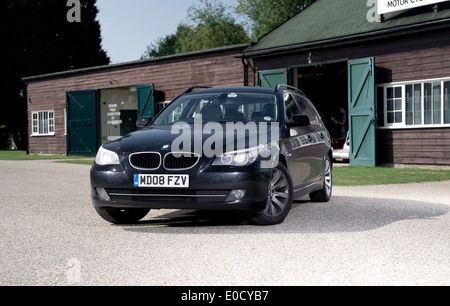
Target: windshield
220, 107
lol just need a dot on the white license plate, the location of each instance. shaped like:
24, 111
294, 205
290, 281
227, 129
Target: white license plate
161, 181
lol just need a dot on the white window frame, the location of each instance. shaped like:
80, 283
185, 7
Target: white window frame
65, 122
43, 123
403, 108
403, 85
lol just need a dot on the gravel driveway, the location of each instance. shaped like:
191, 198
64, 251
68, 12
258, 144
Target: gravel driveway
378, 235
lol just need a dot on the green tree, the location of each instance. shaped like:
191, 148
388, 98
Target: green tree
265, 15
210, 25
162, 47
37, 39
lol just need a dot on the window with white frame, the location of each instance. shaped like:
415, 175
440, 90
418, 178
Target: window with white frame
394, 105
415, 104
43, 123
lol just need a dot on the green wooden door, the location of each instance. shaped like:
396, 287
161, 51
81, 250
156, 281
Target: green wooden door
146, 103
82, 132
362, 110
271, 78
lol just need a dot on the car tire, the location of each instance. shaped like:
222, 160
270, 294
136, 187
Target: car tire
279, 199
122, 216
324, 195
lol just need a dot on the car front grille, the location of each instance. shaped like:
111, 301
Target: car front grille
185, 161
167, 196
152, 161
145, 161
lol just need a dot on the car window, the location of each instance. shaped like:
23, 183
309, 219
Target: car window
296, 104
291, 106
310, 110
220, 107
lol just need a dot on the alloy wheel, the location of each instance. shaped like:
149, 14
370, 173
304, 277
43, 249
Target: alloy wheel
278, 197
328, 178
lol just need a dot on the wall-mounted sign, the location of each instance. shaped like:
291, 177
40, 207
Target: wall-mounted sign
388, 6
113, 115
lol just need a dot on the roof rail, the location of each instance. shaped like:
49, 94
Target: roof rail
191, 89
277, 88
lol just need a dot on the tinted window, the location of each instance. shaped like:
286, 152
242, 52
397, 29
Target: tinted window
298, 105
221, 107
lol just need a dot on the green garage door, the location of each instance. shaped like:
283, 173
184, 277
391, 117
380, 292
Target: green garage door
271, 78
146, 103
362, 124
82, 133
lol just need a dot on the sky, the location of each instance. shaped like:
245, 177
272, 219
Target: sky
128, 27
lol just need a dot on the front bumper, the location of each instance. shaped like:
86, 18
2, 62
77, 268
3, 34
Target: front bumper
209, 189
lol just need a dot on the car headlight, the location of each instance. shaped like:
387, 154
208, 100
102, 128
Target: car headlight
106, 157
238, 158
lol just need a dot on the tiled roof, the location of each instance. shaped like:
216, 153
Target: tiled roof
331, 19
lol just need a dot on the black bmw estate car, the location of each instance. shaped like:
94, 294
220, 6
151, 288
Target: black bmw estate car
247, 149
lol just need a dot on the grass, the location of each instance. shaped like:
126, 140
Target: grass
78, 162
365, 176
22, 155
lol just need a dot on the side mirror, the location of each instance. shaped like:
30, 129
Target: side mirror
299, 121
143, 122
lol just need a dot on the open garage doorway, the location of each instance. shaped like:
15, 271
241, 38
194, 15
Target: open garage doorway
120, 107
331, 85
95, 117
118, 112
326, 85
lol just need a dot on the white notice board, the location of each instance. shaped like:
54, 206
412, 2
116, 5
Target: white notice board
388, 6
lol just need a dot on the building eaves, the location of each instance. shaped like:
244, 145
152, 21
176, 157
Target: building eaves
161, 59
